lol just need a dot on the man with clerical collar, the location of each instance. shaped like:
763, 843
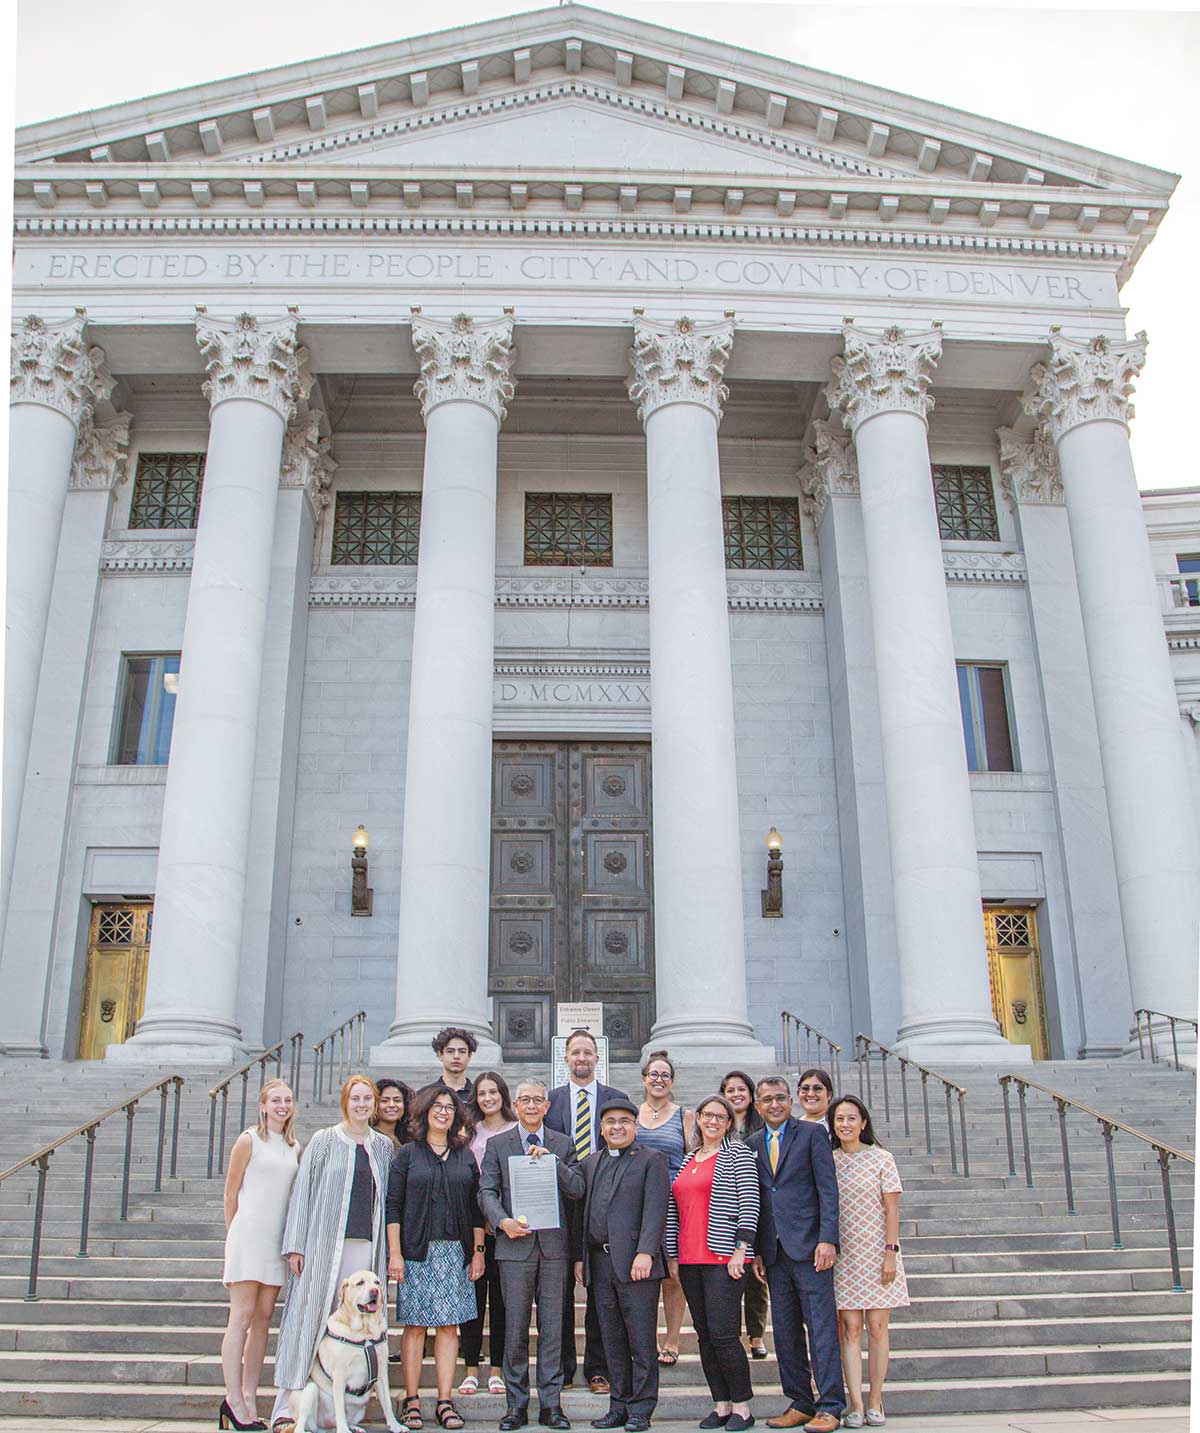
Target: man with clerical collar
618, 1255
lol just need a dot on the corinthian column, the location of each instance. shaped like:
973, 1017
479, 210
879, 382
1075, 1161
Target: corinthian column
1083, 397
699, 940
441, 976
254, 381
881, 388
55, 378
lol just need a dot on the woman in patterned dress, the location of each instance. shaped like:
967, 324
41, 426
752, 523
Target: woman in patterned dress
868, 1277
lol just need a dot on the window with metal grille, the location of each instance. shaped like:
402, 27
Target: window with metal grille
762, 533
966, 504
987, 728
568, 530
383, 528
166, 490
143, 736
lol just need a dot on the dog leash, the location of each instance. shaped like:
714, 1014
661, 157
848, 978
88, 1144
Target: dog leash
368, 1347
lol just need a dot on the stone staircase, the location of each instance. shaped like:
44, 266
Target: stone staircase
1017, 1304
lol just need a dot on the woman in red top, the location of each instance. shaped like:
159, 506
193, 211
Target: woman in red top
711, 1222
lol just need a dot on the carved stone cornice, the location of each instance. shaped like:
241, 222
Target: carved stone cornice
1029, 471
52, 365
101, 452
680, 362
886, 372
990, 567
249, 357
830, 467
308, 460
147, 552
464, 360
1086, 380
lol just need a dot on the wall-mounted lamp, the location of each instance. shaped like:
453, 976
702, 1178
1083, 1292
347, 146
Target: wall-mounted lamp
362, 897
772, 897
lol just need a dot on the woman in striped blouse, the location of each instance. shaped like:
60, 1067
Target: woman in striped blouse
711, 1222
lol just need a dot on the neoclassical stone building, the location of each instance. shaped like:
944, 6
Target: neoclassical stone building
467, 439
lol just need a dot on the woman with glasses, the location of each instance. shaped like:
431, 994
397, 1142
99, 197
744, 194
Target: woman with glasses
815, 1091
669, 1128
712, 1218
868, 1278
435, 1245
738, 1089
491, 1113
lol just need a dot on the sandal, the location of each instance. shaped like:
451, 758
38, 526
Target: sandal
447, 1415
668, 1357
495, 1384
469, 1385
410, 1413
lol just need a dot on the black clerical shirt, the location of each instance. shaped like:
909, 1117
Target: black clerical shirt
602, 1188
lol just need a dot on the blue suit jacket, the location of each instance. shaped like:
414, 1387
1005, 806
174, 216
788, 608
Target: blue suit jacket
799, 1202
561, 1114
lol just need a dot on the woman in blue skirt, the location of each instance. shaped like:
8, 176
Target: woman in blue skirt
435, 1244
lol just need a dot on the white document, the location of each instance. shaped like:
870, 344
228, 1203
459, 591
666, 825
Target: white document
533, 1184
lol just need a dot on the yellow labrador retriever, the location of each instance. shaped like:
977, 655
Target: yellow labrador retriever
352, 1358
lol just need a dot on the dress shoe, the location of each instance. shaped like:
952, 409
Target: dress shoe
794, 1418
553, 1418
613, 1419
737, 1423
598, 1383
637, 1425
823, 1423
514, 1418
714, 1420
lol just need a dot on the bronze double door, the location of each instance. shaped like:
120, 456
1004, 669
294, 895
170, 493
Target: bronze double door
572, 891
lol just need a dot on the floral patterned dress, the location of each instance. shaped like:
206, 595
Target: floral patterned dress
863, 1179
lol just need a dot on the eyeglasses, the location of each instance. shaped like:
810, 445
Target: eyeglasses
441, 1109
812, 1089
774, 1099
659, 1079
617, 1124
531, 1100
714, 1115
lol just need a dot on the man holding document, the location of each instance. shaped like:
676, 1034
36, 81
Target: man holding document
526, 1174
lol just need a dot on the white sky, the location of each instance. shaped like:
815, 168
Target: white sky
1117, 81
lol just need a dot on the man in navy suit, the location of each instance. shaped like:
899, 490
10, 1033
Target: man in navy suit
797, 1247
575, 1111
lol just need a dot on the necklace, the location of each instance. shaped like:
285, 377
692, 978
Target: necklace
656, 1116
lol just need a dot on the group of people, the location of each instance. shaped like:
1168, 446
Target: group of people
723, 1211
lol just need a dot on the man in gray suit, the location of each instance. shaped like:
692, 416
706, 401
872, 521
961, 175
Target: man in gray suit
533, 1264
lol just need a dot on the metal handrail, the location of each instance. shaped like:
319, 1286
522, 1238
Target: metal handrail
332, 1048
864, 1044
275, 1053
811, 1036
1108, 1127
41, 1159
1173, 1020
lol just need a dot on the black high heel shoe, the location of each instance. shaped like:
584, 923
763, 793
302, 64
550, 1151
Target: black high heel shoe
227, 1418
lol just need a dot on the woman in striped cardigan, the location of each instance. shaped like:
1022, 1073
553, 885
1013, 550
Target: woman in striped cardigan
711, 1222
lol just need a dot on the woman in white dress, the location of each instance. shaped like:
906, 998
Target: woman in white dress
262, 1169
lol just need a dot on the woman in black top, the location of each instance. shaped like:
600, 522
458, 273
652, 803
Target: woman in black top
435, 1244
738, 1089
391, 1115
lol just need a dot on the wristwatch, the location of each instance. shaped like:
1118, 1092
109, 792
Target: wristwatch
479, 1248
892, 1248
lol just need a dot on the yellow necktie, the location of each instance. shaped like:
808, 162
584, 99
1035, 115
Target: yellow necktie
774, 1151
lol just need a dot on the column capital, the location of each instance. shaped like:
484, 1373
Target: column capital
101, 453
464, 360
830, 466
249, 357
308, 460
886, 372
1086, 380
1190, 711
679, 362
51, 364
1029, 471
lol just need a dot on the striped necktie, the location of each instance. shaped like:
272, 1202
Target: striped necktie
773, 1153
583, 1126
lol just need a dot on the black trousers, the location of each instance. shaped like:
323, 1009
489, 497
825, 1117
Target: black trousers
487, 1296
715, 1303
594, 1364
628, 1318
757, 1299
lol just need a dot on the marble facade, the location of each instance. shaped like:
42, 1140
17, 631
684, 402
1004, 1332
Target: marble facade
568, 252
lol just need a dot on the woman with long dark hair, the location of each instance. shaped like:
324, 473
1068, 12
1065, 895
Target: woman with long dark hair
814, 1090
391, 1113
435, 1244
868, 1278
738, 1089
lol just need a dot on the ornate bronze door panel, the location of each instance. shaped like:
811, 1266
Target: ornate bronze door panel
571, 891
1015, 977
114, 985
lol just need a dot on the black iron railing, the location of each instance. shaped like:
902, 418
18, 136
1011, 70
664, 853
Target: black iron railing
799, 1035
40, 1160
216, 1146
864, 1045
1108, 1128
1173, 1021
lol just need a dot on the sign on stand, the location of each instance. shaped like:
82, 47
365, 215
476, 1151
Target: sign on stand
578, 1015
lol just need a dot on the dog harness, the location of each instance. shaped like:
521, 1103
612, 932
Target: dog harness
368, 1347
